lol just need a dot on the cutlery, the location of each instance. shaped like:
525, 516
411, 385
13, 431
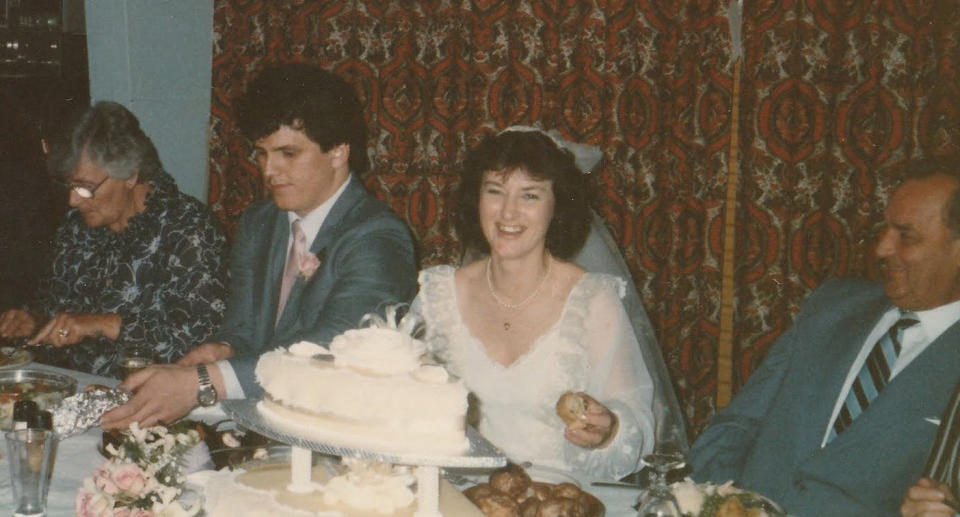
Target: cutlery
617, 484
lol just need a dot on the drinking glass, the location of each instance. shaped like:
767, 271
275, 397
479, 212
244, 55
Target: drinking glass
669, 453
31, 456
133, 358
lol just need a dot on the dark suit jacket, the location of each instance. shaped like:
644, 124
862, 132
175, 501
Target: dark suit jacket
768, 439
367, 263
943, 464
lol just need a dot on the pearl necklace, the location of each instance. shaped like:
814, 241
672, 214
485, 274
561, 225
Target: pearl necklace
525, 301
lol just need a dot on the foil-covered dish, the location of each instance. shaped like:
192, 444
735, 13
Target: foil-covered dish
82, 411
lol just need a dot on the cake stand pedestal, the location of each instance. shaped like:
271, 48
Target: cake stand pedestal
428, 491
481, 454
301, 463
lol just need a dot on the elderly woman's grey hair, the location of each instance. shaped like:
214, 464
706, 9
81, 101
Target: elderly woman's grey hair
108, 135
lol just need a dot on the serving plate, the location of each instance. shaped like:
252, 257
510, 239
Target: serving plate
47, 389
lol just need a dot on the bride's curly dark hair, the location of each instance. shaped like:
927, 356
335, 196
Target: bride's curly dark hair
539, 156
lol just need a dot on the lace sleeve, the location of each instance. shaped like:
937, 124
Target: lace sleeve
619, 378
435, 304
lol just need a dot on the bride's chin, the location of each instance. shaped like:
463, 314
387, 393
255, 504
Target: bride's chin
511, 252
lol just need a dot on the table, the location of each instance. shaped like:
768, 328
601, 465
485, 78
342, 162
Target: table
76, 459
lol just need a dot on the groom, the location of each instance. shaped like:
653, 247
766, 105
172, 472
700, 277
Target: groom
307, 264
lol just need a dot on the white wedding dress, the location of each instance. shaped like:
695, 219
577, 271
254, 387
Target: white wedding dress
591, 348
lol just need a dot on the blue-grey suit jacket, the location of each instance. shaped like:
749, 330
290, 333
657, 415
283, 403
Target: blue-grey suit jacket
768, 439
367, 263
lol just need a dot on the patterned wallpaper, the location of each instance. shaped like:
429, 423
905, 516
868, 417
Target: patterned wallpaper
829, 96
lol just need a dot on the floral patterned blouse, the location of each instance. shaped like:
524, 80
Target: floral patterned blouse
165, 274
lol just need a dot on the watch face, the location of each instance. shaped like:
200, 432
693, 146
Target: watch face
207, 396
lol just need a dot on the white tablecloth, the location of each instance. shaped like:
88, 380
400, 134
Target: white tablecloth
76, 457
619, 501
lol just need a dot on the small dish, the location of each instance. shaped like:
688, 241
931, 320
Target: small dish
47, 389
13, 356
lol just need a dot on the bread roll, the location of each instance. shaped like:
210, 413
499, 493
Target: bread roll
498, 505
529, 507
541, 491
511, 480
560, 507
566, 490
478, 492
572, 407
732, 507
511, 493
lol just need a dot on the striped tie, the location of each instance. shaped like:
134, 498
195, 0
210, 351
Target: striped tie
873, 375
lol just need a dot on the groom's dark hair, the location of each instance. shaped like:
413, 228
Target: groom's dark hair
305, 97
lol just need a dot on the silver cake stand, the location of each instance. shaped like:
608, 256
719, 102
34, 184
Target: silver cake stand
481, 454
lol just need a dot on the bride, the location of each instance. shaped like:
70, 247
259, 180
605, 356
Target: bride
522, 326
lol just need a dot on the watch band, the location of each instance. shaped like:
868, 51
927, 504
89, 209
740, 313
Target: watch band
206, 393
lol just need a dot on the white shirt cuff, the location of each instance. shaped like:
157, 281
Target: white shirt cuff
230, 380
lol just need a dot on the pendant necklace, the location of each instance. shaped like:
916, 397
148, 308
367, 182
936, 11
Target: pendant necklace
525, 301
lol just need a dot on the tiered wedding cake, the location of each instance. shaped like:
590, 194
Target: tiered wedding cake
370, 391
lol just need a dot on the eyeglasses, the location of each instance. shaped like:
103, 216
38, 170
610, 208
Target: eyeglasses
87, 192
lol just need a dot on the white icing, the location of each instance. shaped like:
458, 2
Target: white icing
369, 485
307, 349
225, 497
375, 395
389, 440
378, 350
432, 373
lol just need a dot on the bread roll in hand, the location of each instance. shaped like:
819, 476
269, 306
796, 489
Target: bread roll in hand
572, 407
589, 424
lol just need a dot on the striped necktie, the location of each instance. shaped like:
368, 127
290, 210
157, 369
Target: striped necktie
874, 374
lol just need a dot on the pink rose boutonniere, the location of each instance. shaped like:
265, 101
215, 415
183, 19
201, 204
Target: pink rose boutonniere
308, 265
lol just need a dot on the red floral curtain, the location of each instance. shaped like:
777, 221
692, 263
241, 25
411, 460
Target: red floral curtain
830, 94
836, 94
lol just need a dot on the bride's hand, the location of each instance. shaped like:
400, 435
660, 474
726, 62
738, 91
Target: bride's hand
595, 429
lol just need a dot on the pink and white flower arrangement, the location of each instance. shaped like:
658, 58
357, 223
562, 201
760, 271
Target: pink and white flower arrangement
142, 478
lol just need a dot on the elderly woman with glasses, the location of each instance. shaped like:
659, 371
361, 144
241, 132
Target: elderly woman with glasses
135, 260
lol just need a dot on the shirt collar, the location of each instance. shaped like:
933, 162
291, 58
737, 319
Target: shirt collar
312, 222
935, 321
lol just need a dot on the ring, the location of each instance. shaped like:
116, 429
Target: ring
63, 332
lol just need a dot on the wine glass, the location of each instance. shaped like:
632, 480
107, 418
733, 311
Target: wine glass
132, 358
669, 453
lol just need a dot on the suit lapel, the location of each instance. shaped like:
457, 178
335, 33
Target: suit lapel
327, 235
331, 225
914, 392
276, 260
829, 366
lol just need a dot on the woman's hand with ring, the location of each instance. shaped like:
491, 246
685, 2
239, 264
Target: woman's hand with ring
68, 328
